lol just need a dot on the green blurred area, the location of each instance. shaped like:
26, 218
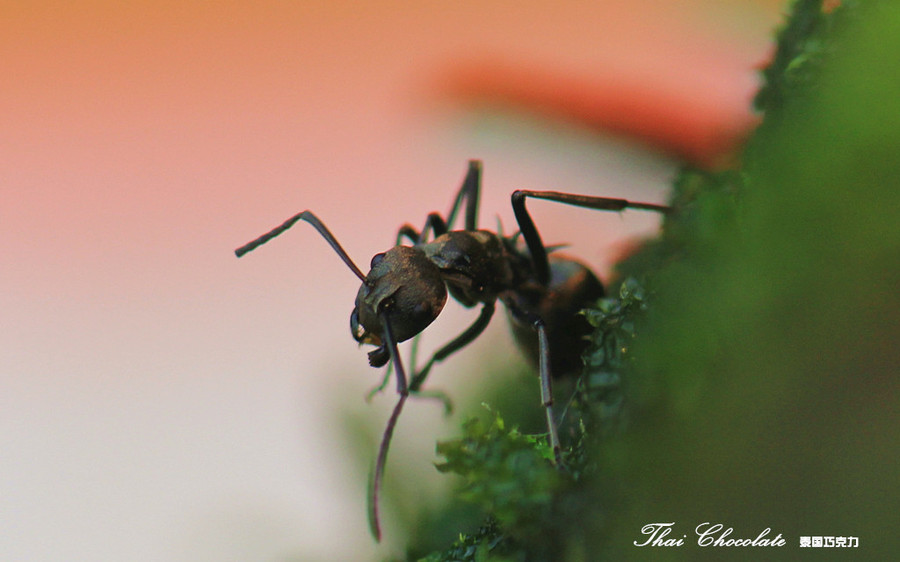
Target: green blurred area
768, 379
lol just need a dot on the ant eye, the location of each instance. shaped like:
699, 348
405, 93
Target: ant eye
376, 259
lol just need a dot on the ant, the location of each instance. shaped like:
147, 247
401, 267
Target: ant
407, 286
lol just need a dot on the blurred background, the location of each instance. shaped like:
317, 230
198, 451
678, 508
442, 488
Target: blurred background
162, 400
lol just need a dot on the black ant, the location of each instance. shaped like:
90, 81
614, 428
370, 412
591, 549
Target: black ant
406, 288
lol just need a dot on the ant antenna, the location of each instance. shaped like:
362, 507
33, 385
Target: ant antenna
312, 219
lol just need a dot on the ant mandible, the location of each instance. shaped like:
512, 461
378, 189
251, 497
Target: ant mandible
407, 286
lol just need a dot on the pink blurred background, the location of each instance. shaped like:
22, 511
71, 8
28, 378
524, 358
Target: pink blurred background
162, 400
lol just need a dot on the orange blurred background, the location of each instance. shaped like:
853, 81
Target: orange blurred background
163, 400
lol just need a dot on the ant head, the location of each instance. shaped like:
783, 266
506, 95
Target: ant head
403, 287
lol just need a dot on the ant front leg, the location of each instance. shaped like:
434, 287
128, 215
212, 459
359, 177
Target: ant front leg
419, 376
434, 222
381, 460
460, 341
530, 233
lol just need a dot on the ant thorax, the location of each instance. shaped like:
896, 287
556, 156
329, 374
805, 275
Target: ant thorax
573, 287
475, 264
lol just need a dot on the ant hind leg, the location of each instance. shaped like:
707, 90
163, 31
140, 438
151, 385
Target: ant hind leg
530, 233
538, 325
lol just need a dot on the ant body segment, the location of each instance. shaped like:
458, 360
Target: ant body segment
407, 287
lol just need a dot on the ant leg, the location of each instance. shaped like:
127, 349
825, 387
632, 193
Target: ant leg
533, 239
432, 394
537, 323
434, 222
470, 191
384, 382
381, 459
374, 518
547, 390
460, 341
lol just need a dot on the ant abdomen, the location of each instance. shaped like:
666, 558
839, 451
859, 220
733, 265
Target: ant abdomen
572, 288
